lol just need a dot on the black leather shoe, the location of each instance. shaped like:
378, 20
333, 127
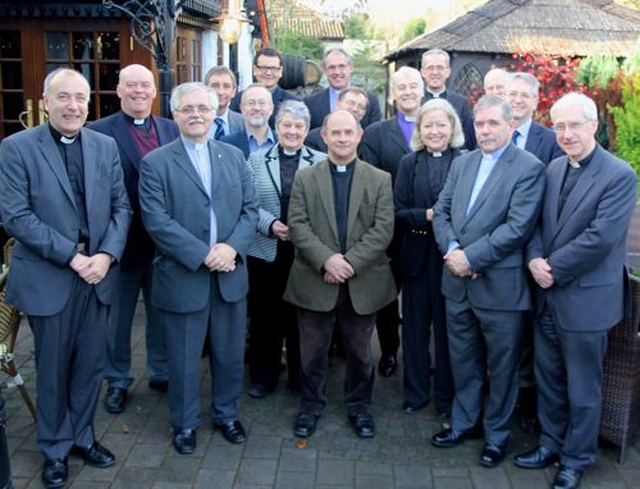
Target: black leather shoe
233, 431
55, 473
491, 456
538, 458
388, 365
95, 455
184, 441
363, 425
567, 478
259, 391
159, 386
410, 408
115, 400
450, 437
305, 425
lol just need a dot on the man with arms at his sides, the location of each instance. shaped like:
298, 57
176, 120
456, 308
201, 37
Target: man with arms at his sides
136, 132
200, 208
338, 66
340, 222
352, 99
522, 94
483, 218
436, 70
268, 70
256, 134
62, 197
227, 121
577, 258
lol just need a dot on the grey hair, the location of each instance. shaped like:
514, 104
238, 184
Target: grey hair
297, 109
528, 78
336, 50
588, 106
491, 100
434, 51
46, 86
408, 72
255, 85
457, 138
221, 70
185, 88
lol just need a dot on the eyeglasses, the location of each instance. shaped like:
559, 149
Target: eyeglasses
192, 109
355, 105
572, 126
268, 68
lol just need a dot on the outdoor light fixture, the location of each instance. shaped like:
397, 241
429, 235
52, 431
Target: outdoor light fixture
230, 20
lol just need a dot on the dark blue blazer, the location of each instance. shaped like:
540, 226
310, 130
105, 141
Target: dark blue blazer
278, 96
314, 140
542, 143
139, 250
463, 108
318, 104
383, 145
241, 141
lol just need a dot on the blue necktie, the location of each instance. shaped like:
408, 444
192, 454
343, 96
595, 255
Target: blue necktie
514, 137
219, 128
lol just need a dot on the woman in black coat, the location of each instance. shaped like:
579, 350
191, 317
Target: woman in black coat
420, 178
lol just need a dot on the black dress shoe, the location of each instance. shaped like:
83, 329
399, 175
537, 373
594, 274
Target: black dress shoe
567, 478
450, 437
55, 473
184, 441
115, 400
363, 425
410, 408
492, 455
305, 425
233, 431
538, 458
388, 365
159, 386
95, 455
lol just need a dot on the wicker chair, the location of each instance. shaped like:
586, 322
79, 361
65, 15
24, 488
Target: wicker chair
621, 383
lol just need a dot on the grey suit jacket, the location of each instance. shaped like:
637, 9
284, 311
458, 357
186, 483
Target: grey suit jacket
38, 209
314, 233
495, 231
586, 243
176, 213
264, 167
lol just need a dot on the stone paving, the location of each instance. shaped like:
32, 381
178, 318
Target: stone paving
399, 457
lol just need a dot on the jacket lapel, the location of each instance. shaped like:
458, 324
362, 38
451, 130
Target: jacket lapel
272, 161
579, 191
91, 157
355, 196
325, 190
181, 158
122, 133
494, 178
51, 155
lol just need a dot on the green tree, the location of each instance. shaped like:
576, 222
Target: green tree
290, 42
627, 120
413, 29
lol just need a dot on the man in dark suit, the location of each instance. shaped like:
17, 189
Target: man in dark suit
227, 121
383, 145
436, 70
340, 222
136, 133
268, 70
352, 99
577, 258
62, 197
200, 208
522, 94
338, 66
483, 218
256, 134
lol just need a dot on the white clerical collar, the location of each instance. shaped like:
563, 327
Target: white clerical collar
139, 122
66, 140
436, 154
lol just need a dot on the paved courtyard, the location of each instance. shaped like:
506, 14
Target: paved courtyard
399, 457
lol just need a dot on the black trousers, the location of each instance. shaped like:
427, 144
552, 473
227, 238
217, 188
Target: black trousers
272, 320
316, 329
5, 468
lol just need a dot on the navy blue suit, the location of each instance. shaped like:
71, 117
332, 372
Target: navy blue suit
541, 142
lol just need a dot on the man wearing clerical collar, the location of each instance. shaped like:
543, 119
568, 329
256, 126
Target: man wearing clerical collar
136, 132
339, 282
62, 197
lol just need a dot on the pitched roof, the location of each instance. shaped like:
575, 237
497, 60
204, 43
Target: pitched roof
295, 17
563, 27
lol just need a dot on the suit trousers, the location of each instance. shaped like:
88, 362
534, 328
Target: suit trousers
226, 324
316, 329
69, 352
117, 369
388, 318
483, 344
5, 467
423, 307
569, 371
272, 320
